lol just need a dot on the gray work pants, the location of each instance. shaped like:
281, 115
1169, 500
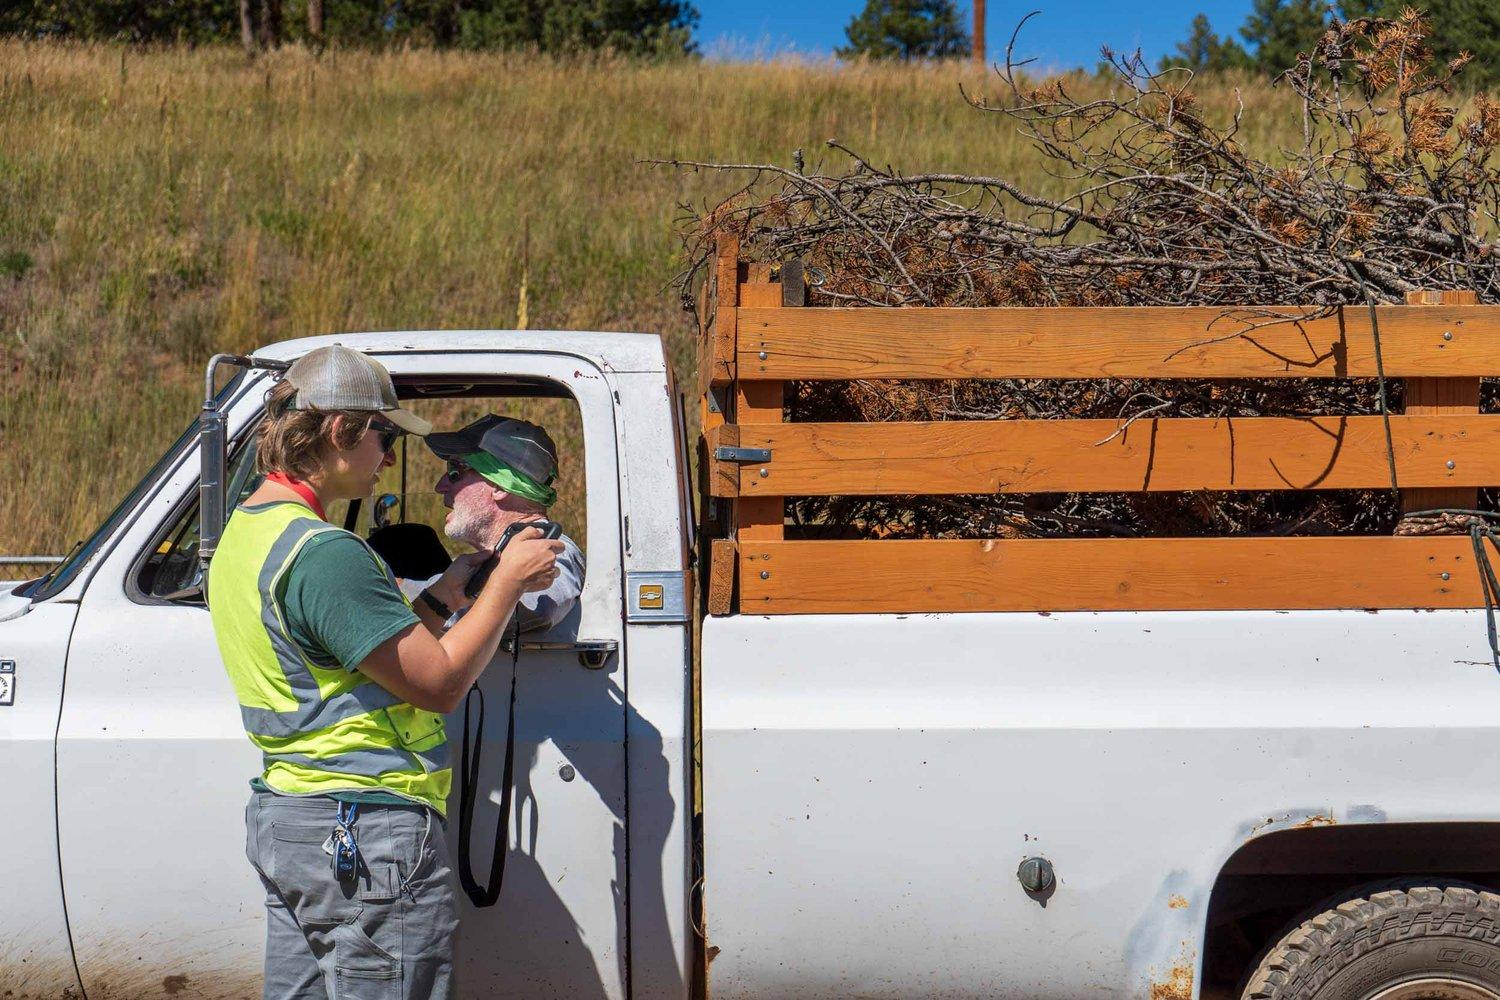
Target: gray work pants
387, 934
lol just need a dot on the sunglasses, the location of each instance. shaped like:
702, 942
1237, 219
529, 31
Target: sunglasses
456, 470
388, 433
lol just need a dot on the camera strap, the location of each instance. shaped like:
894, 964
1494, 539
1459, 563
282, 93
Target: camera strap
468, 787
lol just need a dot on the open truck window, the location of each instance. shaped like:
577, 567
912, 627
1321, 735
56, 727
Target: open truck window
407, 491
168, 570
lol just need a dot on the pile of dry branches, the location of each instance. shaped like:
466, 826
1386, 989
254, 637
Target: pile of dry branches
1390, 190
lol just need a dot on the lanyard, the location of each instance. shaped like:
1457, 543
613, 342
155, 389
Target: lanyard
345, 848
300, 488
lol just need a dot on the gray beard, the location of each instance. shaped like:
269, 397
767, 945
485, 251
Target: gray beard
466, 529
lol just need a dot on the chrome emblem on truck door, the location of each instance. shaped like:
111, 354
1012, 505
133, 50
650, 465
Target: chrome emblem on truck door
656, 596
7, 682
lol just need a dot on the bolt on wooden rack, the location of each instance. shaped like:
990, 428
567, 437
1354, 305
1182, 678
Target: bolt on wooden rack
755, 339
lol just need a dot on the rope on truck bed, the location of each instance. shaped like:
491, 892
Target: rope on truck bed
1481, 526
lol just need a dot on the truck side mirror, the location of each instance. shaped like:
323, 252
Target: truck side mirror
211, 421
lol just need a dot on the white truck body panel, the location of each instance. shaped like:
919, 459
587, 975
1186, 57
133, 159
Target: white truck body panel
152, 764
660, 813
659, 695
36, 960
611, 352
559, 928
873, 781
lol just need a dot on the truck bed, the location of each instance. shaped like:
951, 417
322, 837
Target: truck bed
872, 782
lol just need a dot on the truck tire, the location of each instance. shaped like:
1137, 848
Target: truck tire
1417, 943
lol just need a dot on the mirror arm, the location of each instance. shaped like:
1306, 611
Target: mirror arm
211, 451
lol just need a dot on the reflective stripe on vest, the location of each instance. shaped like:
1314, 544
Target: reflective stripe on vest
321, 728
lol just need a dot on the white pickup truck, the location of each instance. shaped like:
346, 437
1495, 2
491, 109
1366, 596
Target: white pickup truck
957, 804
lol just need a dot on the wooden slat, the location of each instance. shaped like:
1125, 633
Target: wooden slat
723, 477
723, 562
717, 368
703, 358
708, 417
758, 404
760, 295
1158, 574
1043, 456
1098, 342
1440, 396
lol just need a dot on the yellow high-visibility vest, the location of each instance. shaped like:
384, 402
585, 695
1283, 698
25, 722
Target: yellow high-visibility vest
321, 728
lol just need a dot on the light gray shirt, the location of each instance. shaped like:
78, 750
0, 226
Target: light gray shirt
541, 609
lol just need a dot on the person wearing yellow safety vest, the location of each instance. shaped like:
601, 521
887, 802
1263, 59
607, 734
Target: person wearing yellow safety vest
343, 686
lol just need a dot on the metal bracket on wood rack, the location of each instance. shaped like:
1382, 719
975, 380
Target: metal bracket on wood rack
724, 453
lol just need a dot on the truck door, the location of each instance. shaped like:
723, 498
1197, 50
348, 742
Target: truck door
152, 764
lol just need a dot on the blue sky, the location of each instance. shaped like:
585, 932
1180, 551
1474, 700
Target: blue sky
1064, 34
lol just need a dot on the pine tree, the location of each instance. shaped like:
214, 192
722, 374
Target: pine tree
120, 20
1279, 29
655, 28
1283, 27
632, 27
1205, 51
1351, 10
906, 29
1471, 26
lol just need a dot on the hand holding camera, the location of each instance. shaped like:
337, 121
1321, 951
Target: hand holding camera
531, 559
526, 554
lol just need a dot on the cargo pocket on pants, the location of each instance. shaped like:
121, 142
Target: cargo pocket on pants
362, 969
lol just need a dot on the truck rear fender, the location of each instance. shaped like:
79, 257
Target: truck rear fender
1297, 862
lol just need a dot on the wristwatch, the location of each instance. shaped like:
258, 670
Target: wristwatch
439, 608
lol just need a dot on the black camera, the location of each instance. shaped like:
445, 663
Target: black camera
549, 529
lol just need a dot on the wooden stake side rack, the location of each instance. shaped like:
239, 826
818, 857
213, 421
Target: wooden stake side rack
756, 338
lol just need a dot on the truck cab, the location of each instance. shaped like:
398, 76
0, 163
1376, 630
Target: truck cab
131, 763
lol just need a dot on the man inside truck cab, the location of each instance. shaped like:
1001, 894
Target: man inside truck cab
343, 685
500, 471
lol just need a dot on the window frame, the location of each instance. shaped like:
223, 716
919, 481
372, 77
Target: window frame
246, 439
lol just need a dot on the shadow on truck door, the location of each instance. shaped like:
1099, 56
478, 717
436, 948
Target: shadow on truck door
570, 966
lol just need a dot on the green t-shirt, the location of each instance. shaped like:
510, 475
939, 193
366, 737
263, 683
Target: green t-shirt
340, 603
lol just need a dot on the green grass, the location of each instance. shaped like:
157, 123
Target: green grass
156, 207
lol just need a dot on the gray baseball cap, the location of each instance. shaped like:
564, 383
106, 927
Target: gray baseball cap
338, 378
520, 444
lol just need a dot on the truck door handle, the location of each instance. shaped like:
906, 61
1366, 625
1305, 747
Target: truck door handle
592, 653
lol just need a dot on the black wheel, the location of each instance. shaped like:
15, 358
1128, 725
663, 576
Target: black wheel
1419, 943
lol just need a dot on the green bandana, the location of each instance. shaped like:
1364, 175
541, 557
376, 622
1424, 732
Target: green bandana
511, 481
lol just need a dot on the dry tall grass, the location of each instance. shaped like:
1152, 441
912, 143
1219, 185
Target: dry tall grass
156, 207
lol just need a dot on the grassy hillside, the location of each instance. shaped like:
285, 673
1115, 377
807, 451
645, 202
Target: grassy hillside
156, 207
